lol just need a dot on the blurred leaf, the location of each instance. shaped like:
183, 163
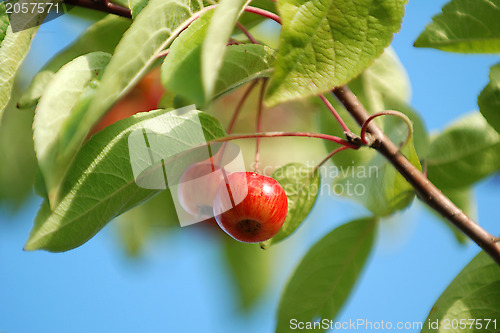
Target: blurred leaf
301, 189
100, 184
325, 44
136, 6
13, 48
489, 99
249, 267
218, 32
473, 294
139, 224
123, 3
326, 275
56, 112
377, 185
250, 19
465, 200
17, 157
466, 26
182, 66
464, 153
100, 36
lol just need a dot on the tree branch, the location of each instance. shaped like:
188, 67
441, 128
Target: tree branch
103, 6
426, 191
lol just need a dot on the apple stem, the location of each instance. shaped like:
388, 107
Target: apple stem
328, 137
264, 13
247, 33
238, 108
335, 114
259, 122
328, 157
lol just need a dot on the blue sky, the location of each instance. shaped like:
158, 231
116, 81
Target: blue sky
181, 285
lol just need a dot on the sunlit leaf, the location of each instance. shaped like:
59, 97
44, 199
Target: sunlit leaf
327, 43
467, 26
100, 183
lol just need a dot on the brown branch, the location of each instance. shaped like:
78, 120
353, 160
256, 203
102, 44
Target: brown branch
103, 6
426, 191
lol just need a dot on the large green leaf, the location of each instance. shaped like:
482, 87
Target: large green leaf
471, 302
467, 26
489, 99
13, 48
136, 6
57, 111
249, 267
150, 33
181, 68
103, 36
302, 188
219, 30
100, 183
464, 153
326, 275
327, 43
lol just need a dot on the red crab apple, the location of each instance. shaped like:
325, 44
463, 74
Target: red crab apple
198, 186
259, 210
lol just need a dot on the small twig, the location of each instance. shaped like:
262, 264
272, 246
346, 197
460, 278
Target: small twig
426, 191
259, 122
103, 6
335, 114
247, 33
328, 157
386, 113
264, 13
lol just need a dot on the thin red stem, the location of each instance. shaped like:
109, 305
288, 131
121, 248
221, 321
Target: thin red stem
328, 137
259, 122
329, 156
335, 113
247, 33
264, 13
407, 120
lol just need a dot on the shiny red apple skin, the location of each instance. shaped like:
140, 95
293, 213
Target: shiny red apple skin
260, 214
198, 186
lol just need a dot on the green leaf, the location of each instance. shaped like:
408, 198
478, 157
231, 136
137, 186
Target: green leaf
18, 162
57, 111
473, 294
301, 189
13, 49
139, 224
326, 275
377, 185
103, 36
219, 30
136, 6
327, 43
464, 153
181, 68
466, 26
100, 183
489, 99
249, 267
